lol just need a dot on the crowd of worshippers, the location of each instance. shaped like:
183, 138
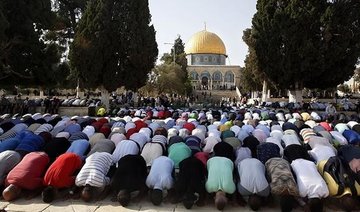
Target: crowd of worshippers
246, 156
16, 105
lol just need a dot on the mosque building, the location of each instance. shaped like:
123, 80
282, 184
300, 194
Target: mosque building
206, 56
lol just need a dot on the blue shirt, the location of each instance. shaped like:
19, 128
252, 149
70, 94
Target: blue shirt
9, 144
79, 147
30, 142
72, 128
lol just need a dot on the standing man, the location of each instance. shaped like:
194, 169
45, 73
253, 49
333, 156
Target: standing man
331, 110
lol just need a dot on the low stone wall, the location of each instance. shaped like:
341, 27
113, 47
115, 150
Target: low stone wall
67, 111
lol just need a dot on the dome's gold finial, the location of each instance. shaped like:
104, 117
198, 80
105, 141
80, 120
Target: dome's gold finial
205, 25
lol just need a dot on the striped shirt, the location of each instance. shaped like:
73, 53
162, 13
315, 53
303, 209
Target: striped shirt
8, 134
78, 136
43, 128
8, 160
33, 127
95, 169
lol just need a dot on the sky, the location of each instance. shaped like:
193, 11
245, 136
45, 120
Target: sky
226, 18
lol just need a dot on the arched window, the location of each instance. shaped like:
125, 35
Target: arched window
205, 74
194, 75
217, 76
229, 76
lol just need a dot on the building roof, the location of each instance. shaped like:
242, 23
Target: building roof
205, 42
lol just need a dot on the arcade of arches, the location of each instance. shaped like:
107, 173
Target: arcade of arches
213, 77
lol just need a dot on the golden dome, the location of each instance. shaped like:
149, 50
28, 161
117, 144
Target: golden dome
205, 42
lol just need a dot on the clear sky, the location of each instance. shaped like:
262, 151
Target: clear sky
226, 18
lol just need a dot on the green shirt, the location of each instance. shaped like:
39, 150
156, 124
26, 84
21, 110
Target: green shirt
220, 175
179, 152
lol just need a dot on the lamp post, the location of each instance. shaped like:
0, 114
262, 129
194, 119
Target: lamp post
173, 44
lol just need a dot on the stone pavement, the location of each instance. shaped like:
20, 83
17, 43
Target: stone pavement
106, 205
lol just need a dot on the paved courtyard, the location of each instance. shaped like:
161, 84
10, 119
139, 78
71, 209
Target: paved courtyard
106, 205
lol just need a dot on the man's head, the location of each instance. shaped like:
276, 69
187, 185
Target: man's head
254, 202
86, 193
189, 200
11, 192
123, 197
48, 194
315, 205
286, 203
348, 203
161, 131
220, 200
355, 165
156, 196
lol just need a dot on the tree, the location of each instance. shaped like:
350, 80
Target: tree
357, 75
114, 45
344, 88
180, 59
313, 44
251, 77
167, 78
26, 57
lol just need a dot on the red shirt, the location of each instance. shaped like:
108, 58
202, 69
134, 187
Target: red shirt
61, 173
28, 174
203, 157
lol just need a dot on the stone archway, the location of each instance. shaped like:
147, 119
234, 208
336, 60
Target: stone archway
205, 82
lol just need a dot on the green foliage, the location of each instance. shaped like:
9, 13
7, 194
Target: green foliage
26, 57
312, 43
167, 79
251, 77
344, 88
114, 44
357, 75
180, 59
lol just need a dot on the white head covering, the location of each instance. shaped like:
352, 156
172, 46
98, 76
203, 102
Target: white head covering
63, 135
214, 133
117, 138
154, 126
236, 129
199, 133
147, 132
37, 116
139, 138
276, 127
172, 132
212, 127
127, 119
256, 116
247, 116
276, 134
210, 142
89, 131
129, 125
311, 123
183, 132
